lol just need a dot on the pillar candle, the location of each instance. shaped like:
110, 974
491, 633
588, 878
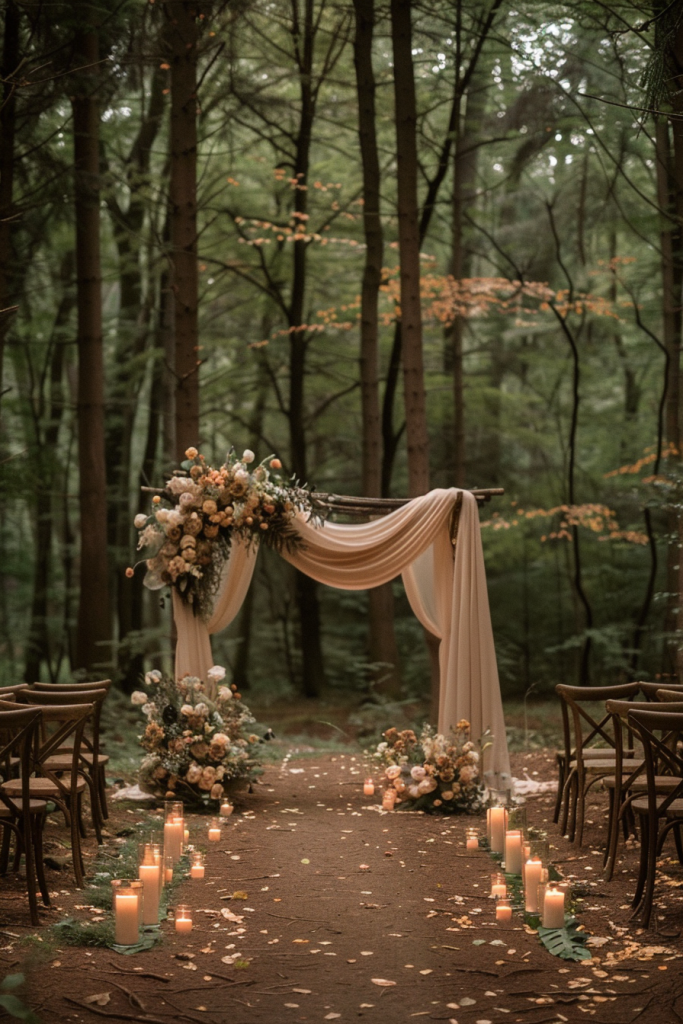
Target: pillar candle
149, 876
126, 924
553, 909
498, 822
226, 809
368, 788
197, 871
472, 840
503, 911
532, 878
186, 835
183, 924
173, 839
214, 833
513, 852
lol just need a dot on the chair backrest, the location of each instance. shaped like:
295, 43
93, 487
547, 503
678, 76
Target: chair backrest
669, 696
45, 698
7, 692
661, 753
68, 722
18, 733
580, 728
99, 684
650, 690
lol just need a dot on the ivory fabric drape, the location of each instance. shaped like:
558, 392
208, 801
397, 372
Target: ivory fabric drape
447, 594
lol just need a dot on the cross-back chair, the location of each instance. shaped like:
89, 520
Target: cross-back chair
62, 723
589, 748
90, 759
20, 815
651, 691
659, 814
669, 696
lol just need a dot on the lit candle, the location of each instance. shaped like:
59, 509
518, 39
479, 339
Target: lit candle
168, 870
503, 910
215, 830
553, 908
173, 839
368, 788
186, 836
498, 823
149, 876
226, 809
532, 878
197, 870
126, 918
513, 852
472, 839
183, 919
388, 799
498, 886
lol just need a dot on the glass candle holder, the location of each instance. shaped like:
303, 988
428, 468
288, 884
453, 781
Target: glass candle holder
517, 817
533, 869
513, 851
127, 895
183, 918
368, 788
214, 830
158, 855
497, 819
226, 809
503, 911
197, 865
168, 870
472, 839
498, 884
553, 907
149, 873
174, 826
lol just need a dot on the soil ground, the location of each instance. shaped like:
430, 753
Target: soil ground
381, 916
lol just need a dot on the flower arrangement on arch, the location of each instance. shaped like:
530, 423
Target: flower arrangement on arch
186, 538
435, 772
195, 747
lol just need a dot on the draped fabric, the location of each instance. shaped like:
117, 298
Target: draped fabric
448, 595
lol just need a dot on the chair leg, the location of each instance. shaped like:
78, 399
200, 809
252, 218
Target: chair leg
566, 800
573, 799
615, 811
679, 844
30, 872
561, 772
102, 781
79, 816
648, 895
38, 825
4, 850
642, 865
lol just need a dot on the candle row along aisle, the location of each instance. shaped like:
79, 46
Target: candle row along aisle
523, 880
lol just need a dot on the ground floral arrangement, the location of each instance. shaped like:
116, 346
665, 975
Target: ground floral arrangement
435, 772
195, 746
186, 538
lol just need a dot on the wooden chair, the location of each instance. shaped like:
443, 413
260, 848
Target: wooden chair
91, 761
651, 690
669, 696
584, 763
61, 722
659, 814
20, 815
624, 788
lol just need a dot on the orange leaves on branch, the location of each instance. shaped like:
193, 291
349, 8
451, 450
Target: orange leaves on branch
670, 451
598, 519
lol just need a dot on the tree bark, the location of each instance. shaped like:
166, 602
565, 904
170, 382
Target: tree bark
382, 647
10, 62
182, 38
94, 624
409, 249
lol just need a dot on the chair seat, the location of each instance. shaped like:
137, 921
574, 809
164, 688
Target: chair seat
663, 783
41, 788
35, 807
642, 806
596, 765
62, 762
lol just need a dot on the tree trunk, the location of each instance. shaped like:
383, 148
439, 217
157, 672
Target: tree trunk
409, 249
313, 669
382, 648
182, 37
10, 62
94, 626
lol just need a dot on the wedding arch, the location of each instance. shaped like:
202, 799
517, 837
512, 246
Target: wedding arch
432, 541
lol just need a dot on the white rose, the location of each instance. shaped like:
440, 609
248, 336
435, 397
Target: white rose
247, 455
140, 520
201, 709
186, 499
448, 794
187, 710
153, 677
138, 698
179, 484
216, 673
148, 709
426, 786
161, 515
241, 476
175, 518
418, 772
225, 693
413, 792
393, 771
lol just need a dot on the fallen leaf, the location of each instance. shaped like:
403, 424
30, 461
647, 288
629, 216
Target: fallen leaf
466, 1001
364, 867
190, 966
382, 982
367, 952
207, 977
302, 941
292, 1006
305, 860
366, 1006
428, 970
331, 1016
101, 998
56, 963
240, 894
302, 991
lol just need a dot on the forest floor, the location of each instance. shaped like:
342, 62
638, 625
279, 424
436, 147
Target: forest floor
382, 916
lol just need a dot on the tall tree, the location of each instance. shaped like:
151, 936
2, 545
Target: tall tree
382, 637
8, 115
409, 248
181, 33
94, 624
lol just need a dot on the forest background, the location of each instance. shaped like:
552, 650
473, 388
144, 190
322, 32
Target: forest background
400, 245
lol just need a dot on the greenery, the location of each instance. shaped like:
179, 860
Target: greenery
560, 298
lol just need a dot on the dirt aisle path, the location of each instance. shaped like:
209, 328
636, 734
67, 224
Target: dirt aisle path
339, 913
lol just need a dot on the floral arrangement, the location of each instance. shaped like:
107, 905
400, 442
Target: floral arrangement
434, 772
186, 538
195, 746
